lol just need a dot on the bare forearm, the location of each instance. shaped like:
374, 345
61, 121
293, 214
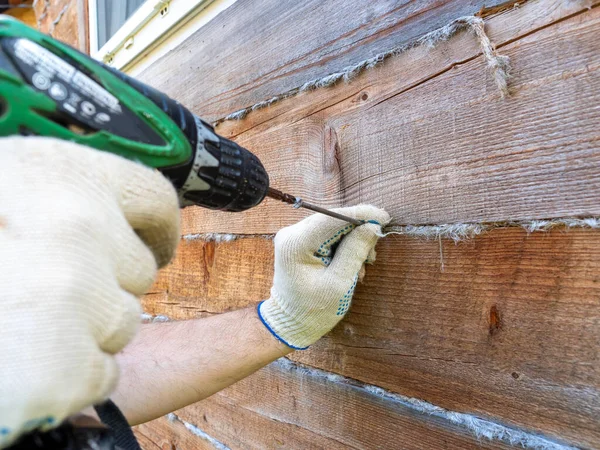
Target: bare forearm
171, 365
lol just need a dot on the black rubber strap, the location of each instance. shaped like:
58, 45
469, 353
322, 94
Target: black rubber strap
113, 418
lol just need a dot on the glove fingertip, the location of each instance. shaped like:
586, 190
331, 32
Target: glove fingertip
371, 257
372, 231
122, 325
362, 272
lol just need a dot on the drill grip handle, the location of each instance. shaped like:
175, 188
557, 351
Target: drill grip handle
175, 110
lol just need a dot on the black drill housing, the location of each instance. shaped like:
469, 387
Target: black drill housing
238, 183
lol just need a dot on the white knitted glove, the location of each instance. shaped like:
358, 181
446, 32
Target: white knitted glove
314, 281
71, 266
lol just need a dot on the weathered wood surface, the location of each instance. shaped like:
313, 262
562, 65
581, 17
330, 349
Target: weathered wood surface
163, 434
206, 277
298, 411
257, 49
510, 328
428, 137
63, 20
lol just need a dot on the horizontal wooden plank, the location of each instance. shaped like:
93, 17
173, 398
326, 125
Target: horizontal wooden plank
427, 136
296, 411
207, 277
508, 329
257, 49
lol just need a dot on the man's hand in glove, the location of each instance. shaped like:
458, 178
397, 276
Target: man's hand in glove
82, 233
317, 264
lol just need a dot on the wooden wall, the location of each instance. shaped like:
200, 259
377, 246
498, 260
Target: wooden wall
65, 20
504, 326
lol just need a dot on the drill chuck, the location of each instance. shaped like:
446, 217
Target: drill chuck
236, 181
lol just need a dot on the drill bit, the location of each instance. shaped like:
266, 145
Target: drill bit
299, 203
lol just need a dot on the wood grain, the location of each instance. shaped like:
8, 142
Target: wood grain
60, 19
206, 277
509, 329
257, 49
445, 148
162, 434
297, 411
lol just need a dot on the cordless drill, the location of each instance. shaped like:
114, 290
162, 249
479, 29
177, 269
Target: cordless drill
50, 89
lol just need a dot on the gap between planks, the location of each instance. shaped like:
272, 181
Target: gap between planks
476, 426
171, 417
498, 65
455, 231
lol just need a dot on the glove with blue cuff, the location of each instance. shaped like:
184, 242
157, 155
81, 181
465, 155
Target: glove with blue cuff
318, 262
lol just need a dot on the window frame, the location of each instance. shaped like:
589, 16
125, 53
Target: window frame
151, 24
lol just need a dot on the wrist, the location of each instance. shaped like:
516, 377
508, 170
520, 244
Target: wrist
267, 334
286, 327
